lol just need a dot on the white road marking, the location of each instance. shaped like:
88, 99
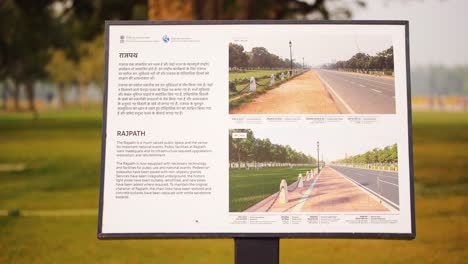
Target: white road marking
350, 110
377, 91
391, 183
368, 78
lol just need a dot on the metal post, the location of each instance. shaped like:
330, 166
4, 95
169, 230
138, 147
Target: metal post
290, 56
256, 250
303, 63
318, 157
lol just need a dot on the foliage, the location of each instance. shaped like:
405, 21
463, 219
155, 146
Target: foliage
382, 61
60, 68
387, 155
258, 57
36, 36
27, 31
257, 74
251, 149
251, 9
91, 64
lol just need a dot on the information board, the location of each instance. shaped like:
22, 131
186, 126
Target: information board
257, 129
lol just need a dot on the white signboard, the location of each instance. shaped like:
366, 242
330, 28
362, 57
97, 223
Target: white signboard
244, 129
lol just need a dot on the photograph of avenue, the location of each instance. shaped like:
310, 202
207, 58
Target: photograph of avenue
270, 171
322, 74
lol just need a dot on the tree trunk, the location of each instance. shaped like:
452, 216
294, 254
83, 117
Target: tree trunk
31, 97
82, 95
16, 91
5, 96
61, 90
170, 9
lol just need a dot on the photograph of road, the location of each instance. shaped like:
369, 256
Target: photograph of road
270, 171
332, 74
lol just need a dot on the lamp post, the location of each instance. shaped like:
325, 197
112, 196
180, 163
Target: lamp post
290, 55
303, 63
318, 157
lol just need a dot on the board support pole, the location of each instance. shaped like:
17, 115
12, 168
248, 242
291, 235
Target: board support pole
256, 250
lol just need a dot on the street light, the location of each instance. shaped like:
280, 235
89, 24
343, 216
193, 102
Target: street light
303, 63
318, 157
290, 55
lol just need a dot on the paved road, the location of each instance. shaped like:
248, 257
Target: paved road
388, 181
361, 93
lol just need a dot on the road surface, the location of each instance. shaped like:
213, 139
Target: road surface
360, 93
384, 183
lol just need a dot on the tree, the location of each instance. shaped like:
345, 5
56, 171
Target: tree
90, 66
382, 61
61, 71
260, 57
28, 31
247, 9
388, 154
253, 150
237, 57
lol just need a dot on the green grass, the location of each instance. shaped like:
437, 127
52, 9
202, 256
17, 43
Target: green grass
248, 187
61, 157
73, 240
61, 154
253, 73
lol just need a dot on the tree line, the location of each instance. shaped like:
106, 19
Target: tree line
436, 80
55, 41
257, 58
253, 152
386, 155
382, 61
38, 37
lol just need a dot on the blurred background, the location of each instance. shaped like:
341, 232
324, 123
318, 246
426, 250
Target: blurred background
51, 86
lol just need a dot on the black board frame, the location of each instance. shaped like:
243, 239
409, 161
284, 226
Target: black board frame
410, 235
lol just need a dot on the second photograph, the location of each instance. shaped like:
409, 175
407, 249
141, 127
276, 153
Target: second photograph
306, 170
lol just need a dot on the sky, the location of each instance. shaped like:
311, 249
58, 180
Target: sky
334, 143
438, 28
319, 49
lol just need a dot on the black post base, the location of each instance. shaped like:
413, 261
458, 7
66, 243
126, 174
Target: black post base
256, 250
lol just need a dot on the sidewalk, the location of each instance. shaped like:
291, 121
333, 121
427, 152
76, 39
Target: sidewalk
330, 192
305, 94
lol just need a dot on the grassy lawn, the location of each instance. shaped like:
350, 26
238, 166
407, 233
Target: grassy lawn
253, 73
61, 160
248, 187
60, 153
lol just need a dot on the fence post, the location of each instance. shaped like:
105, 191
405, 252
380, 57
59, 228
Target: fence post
272, 79
300, 181
282, 76
253, 84
283, 195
